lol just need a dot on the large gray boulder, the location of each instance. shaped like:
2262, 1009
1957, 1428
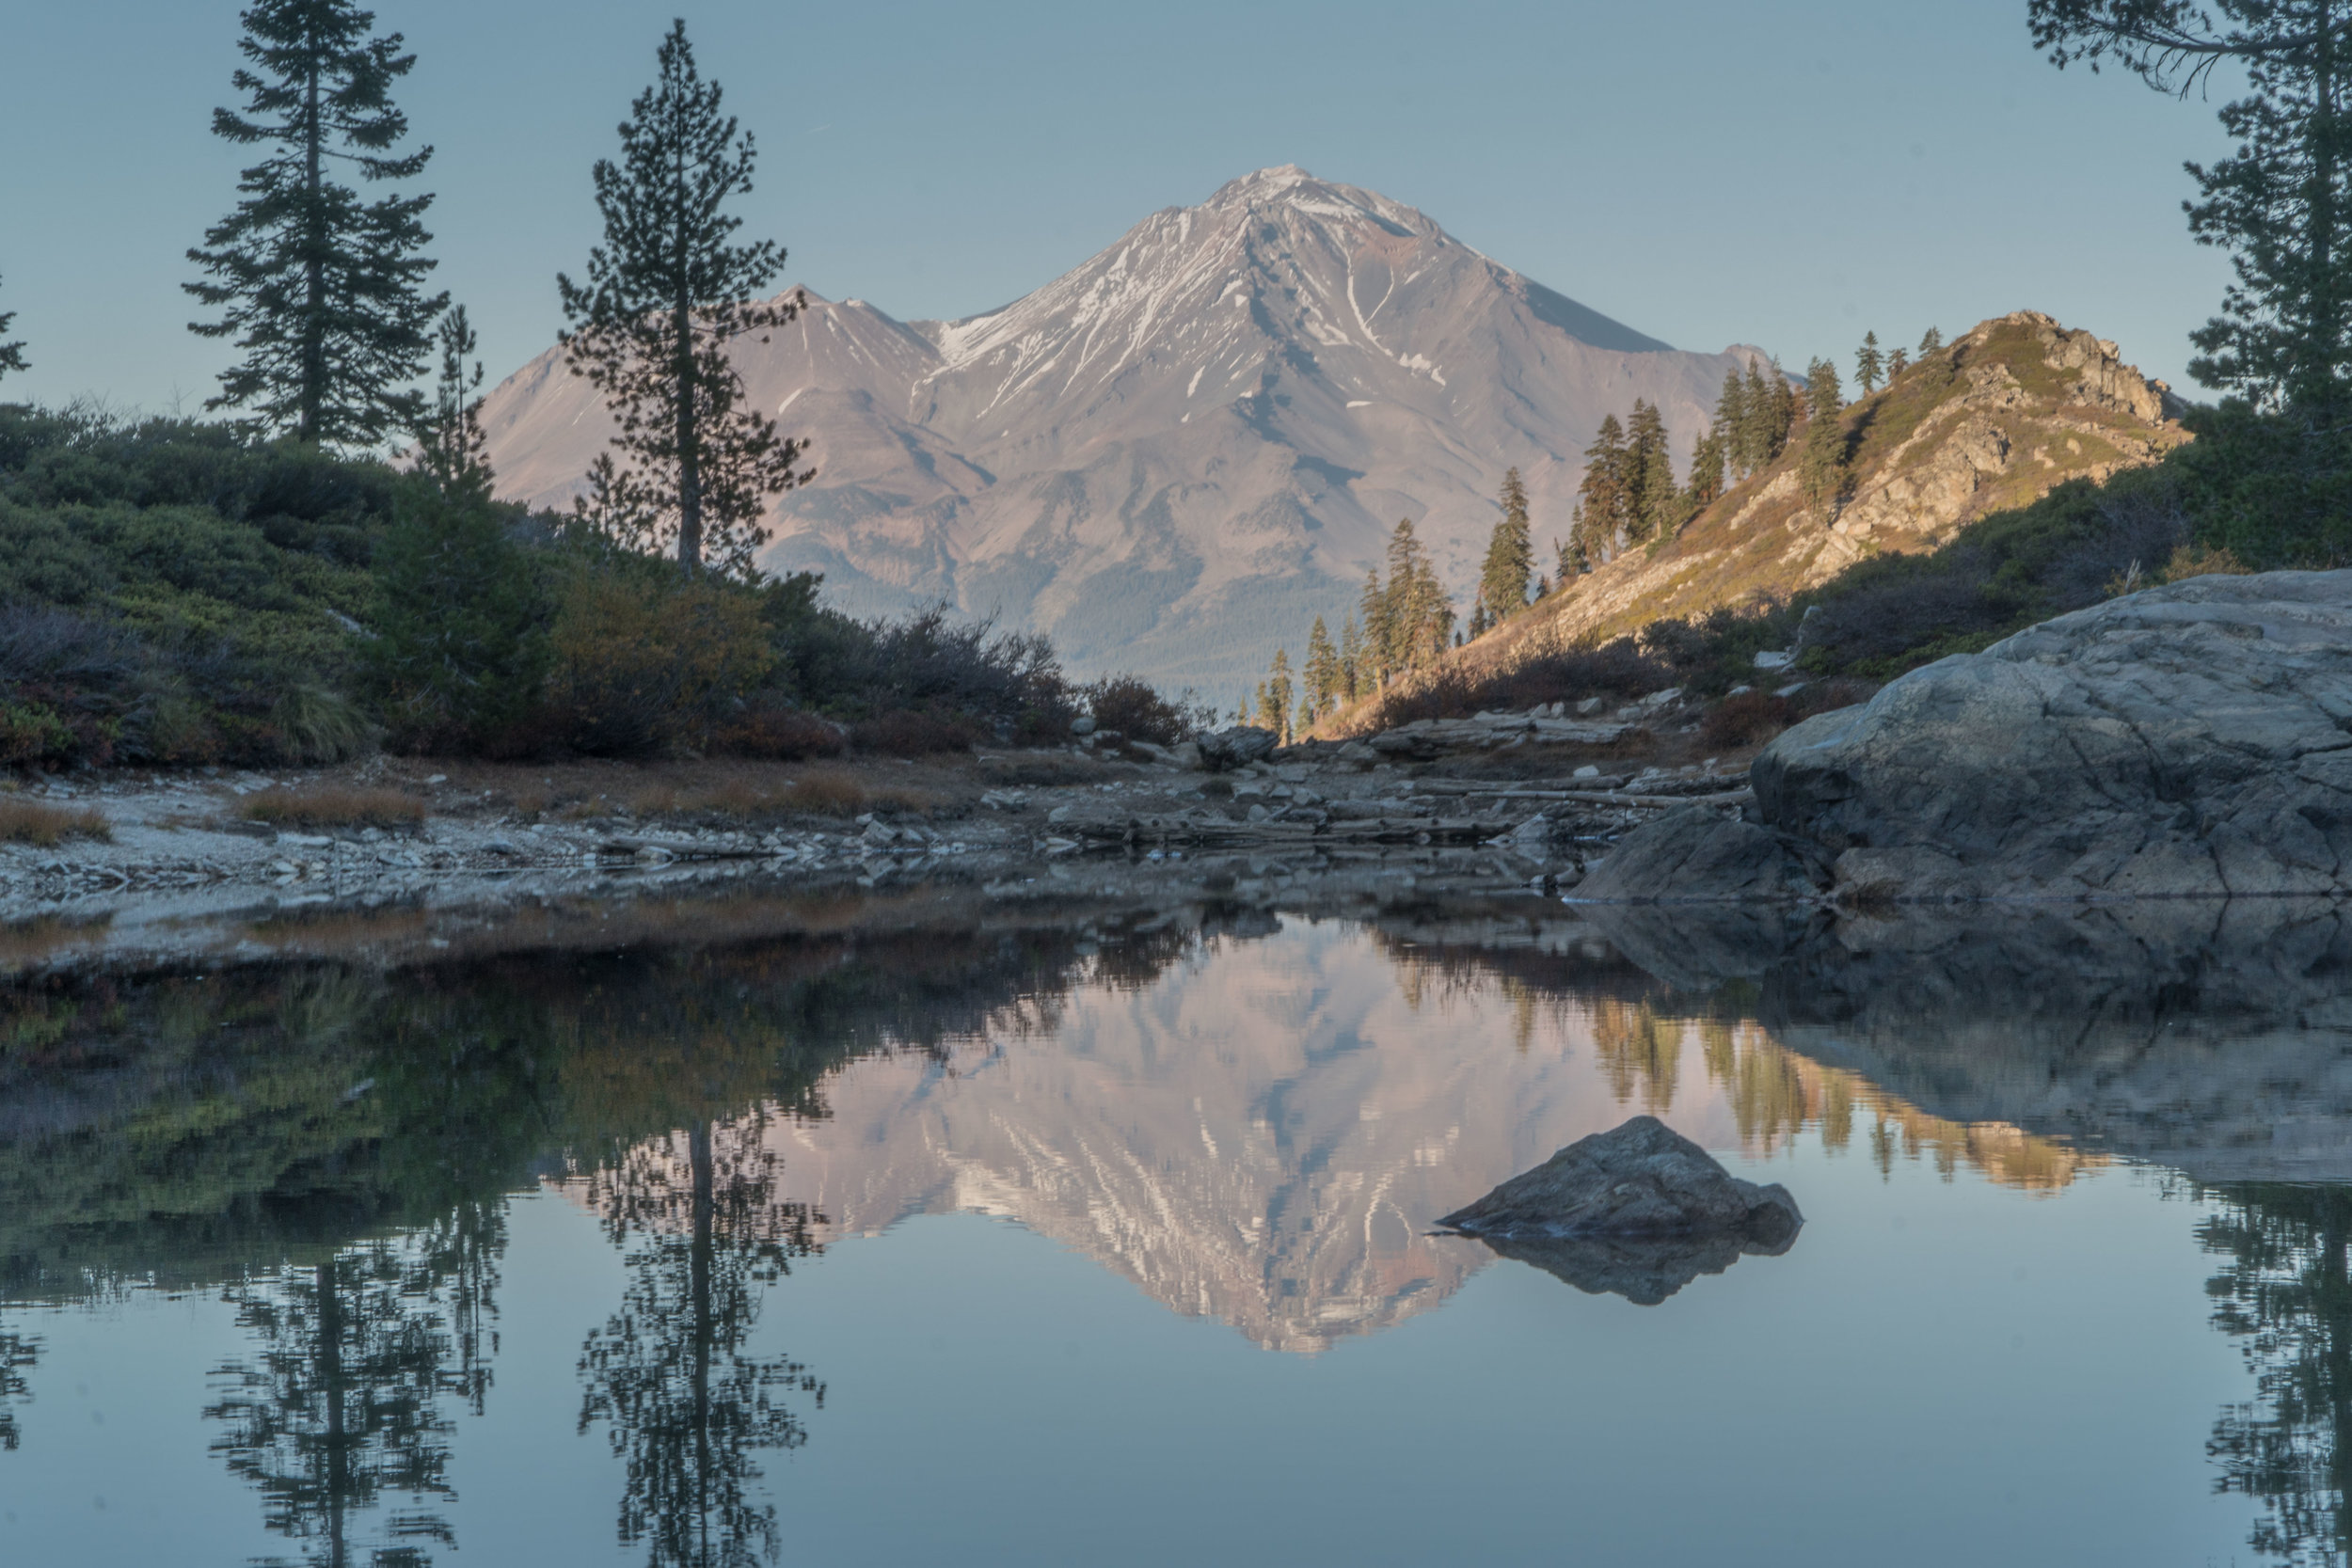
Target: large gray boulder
1696, 854
1636, 1181
2188, 741
1237, 746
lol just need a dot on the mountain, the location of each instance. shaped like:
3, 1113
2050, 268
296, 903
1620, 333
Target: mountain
1997, 419
1172, 457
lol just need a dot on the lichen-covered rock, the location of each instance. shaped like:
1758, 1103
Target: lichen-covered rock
2190, 739
1639, 1180
1696, 854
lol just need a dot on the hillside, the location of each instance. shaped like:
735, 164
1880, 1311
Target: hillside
1174, 455
1995, 420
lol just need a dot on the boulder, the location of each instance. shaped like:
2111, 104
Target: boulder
1696, 854
1237, 746
1639, 1180
2187, 740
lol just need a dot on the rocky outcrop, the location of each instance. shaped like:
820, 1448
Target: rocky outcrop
1641, 1181
1696, 854
2187, 740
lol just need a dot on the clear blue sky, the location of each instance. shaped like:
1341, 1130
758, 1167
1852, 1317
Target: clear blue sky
1705, 171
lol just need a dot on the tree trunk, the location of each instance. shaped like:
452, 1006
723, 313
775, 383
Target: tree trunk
314, 264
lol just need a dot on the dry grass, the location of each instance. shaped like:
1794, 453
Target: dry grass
335, 806
29, 822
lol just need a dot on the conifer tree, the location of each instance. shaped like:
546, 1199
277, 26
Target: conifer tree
1404, 611
1760, 409
12, 355
1274, 697
1320, 678
2282, 204
321, 290
665, 294
1706, 473
1931, 342
1572, 562
1898, 361
1868, 364
1602, 499
1822, 469
451, 444
1661, 502
1510, 559
1650, 473
1731, 413
1372, 664
1352, 682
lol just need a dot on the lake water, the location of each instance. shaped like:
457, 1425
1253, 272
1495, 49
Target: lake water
1106, 1237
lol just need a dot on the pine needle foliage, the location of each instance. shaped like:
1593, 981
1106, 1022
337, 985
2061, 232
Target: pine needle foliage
665, 295
322, 290
12, 355
1510, 557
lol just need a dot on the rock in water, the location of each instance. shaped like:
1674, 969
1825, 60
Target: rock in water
1641, 1180
2187, 740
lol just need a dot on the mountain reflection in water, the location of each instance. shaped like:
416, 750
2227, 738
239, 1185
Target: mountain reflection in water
1251, 1120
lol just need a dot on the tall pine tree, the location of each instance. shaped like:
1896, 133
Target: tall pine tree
1373, 665
1931, 342
1510, 556
1821, 468
1604, 497
1320, 678
1898, 361
2282, 204
1868, 364
322, 290
1649, 474
12, 355
1274, 696
1352, 684
1731, 413
665, 294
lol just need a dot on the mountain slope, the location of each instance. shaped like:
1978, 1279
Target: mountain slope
1173, 456
1997, 418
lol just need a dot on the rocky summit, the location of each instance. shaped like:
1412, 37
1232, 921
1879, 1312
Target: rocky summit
1173, 457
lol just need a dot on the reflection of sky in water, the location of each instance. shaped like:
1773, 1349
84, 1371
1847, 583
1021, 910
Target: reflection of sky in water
1986, 1353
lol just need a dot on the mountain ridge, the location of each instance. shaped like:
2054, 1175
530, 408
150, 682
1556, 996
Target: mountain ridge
1173, 455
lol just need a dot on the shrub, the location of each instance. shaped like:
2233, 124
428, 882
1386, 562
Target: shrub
1620, 669
648, 665
1134, 707
29, 822
460, 618
770, 728
906, 734
332, 806
1746, 720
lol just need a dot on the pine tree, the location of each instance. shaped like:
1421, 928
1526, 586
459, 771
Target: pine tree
1731, 414
1510, 559
1352, 682
1898, 361
2282, 204
1822, 469
320, 290
665, 294
1759, 408
1372, 664
1274, 697
1321, 679
451, 446
1931, 342
1404, 615
1602, 502
1868, 364
1572, 562
1661, 500
12, 355
1650, 473
1706, 473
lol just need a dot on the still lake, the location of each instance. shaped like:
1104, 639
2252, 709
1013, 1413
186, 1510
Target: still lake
1106, 1237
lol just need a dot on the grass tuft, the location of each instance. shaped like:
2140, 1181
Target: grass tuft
29, 822
335, 806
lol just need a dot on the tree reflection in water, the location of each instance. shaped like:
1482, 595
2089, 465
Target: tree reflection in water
686, 1406
18, 1352
2285, 1291
344, 1401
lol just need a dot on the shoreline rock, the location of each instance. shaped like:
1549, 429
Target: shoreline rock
2193, 740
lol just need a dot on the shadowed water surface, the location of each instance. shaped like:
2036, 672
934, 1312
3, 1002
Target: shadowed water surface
1038, 1233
